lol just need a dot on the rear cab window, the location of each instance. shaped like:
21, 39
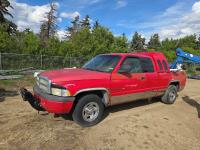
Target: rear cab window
160, 65
165, 66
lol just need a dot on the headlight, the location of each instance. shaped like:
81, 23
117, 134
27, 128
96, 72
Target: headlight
59, 91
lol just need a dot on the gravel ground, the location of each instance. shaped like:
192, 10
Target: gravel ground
138, 125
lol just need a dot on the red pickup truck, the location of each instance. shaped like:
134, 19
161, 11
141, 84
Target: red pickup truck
106, 80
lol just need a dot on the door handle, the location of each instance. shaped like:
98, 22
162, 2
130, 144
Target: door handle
142, 78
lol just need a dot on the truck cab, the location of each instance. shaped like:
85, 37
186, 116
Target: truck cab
105, 80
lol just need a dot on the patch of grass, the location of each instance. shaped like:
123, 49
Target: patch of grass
17, 83
6, 82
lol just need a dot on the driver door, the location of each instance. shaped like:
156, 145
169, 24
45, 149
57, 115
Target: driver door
128, 86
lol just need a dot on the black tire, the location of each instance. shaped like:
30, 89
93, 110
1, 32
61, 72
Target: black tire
79, 114
170, 95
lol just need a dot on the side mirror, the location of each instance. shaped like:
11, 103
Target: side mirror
125, 69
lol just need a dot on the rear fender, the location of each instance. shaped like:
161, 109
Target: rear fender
176, 83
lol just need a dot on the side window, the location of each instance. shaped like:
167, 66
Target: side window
132, 64
147, 65
160, 65
165, 65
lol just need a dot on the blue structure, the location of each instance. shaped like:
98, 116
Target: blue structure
184, 57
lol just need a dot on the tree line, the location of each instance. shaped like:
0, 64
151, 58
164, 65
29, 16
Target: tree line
82, 39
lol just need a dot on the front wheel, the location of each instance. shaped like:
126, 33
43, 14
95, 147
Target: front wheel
170, 95
88, 111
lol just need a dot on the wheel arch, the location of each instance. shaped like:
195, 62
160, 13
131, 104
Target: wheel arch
175, 83
103, 93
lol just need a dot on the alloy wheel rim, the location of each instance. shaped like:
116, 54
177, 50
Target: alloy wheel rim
172, 96
90, 111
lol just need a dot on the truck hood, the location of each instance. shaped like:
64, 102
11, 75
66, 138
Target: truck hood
73, 74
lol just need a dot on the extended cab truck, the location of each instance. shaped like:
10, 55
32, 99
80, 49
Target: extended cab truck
106, 80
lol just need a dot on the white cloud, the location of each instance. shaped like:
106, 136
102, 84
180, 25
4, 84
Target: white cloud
120, 4
176, 9
28, 16
176, 21
70, 15
186, 24
59, 19
88, 2
94, 1
61, 34
195, 7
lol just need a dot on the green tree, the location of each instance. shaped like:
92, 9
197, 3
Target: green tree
49, 27
43, 35
154, 42
169, 44
187, 41
5, 41
85, 23
96, 24
53, 46
137, 42
81, 43
121, 43
4, 5
5, 24
198, 43
72, 30
31, 43
102, 40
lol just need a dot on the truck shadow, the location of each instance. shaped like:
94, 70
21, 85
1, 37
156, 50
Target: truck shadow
119, 107
192, 103
130, 105
6, 93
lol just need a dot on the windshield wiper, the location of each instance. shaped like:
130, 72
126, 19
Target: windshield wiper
100, 70
94, 69
89, 69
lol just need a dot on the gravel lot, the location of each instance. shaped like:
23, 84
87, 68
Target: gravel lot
138, 125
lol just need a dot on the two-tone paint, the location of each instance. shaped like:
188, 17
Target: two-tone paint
116, 88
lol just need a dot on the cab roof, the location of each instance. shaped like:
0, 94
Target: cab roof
140, 54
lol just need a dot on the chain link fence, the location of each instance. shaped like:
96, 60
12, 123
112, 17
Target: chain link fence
11, 61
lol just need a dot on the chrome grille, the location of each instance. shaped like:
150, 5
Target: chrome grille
44, 84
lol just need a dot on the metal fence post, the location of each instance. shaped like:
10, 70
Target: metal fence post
41, 62
1, 68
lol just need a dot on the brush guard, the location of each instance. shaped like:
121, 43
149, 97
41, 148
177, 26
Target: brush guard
28, 96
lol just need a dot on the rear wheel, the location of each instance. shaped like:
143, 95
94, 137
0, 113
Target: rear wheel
170, 95
88, 111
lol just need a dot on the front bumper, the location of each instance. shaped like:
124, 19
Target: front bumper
50, 103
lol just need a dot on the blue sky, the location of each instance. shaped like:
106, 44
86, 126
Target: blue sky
169, 18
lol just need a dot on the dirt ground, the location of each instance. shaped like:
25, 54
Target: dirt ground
137, 125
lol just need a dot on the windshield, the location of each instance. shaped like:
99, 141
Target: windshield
102, 63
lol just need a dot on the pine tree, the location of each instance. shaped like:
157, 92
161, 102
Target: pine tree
4, 5
71, 31
121, 43
137, 42
85, 23
43, 35
51, 20
198, 43
154, 42
96, 24
48, 26
5, 24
